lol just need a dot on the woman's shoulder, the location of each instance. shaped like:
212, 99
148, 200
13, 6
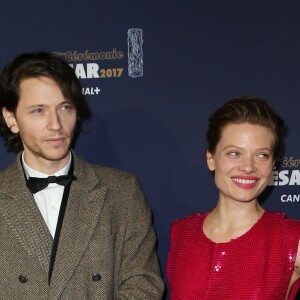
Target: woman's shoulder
192, 220
186, 228
292, 224
282, 220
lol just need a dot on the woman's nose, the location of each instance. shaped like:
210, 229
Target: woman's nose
247, 165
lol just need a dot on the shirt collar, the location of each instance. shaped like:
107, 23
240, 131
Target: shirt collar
33, 173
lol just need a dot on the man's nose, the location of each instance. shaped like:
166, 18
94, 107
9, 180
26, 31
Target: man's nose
54, 121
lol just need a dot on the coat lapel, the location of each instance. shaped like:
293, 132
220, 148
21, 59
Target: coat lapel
22, 216
81, 218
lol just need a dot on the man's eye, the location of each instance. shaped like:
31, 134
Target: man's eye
37, 110
67, 107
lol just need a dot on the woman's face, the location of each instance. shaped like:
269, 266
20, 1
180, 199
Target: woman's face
243, 161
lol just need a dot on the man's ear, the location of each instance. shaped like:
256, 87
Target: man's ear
10, 120
210, 161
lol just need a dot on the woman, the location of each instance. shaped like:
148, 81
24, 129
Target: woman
238, 250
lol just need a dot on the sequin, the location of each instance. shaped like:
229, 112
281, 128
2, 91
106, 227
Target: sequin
217, 268
257, 266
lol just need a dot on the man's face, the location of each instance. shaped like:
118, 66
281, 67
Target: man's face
45, 121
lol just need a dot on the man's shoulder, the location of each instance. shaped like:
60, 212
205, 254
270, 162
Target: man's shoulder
110, 175
105, 174
12, 168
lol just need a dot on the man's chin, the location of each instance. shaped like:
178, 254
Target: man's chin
56, 156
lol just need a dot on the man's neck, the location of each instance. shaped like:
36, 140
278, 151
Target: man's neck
48, 167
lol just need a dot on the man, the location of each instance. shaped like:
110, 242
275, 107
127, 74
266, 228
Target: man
87, 234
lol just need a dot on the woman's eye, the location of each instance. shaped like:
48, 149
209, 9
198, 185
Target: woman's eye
263, 155
233, 153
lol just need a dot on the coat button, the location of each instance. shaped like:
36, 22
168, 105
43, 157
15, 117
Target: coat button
96, 277
23, 278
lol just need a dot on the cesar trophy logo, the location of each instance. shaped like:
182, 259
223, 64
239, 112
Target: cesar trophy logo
135, 52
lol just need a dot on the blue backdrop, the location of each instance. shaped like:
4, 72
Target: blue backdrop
153, 72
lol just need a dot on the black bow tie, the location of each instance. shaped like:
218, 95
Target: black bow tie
36, 184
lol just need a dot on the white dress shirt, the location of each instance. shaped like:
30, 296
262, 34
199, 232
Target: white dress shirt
49, 199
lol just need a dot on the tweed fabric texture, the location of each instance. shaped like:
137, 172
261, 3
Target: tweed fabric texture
106, 231
257, 266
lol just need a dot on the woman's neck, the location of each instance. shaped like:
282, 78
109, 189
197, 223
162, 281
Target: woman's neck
229, 221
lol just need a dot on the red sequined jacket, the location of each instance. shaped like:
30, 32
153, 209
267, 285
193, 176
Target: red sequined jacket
257, 266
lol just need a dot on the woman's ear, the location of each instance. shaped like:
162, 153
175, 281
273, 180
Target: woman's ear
210, 161
10, 120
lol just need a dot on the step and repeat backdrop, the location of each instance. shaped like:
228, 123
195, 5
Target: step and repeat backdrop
154, 71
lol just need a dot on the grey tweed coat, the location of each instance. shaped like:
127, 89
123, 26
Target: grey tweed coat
107, 243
